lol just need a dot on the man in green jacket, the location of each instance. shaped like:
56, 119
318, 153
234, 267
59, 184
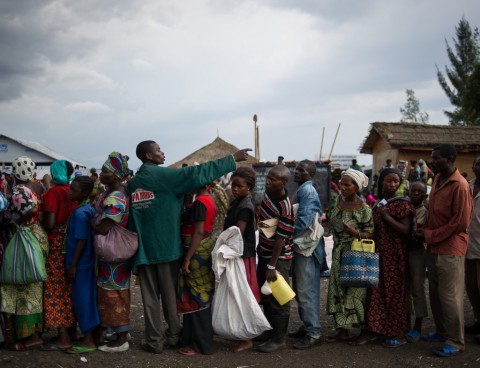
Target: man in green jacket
156, 204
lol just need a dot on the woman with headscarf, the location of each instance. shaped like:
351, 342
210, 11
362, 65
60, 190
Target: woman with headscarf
24, 303
58, 309
113, 280
350, 218
392, 218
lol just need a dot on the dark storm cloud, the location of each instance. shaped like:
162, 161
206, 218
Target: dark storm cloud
33, 33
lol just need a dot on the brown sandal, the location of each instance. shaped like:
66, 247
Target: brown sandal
362, 340
337, 338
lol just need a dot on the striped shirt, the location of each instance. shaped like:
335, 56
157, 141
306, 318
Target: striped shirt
281, 209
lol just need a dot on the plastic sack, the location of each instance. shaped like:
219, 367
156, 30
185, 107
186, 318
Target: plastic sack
306, 243
236, 313
118, 245
3, 203
23, 260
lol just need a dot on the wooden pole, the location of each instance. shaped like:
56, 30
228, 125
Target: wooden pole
334, 140
258, 143
255, 134
321, 145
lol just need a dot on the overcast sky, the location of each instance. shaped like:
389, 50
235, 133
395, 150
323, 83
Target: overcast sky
89, 77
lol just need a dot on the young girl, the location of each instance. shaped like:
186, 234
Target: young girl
80, 264
58, 310
196, 282
242, 214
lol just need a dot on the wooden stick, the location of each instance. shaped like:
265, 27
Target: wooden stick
258, 144
321, 145
334, 140
255, 134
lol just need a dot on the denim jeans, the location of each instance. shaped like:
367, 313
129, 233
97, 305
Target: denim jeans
306, 284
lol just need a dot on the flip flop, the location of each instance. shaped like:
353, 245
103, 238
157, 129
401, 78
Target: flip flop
337, 338
188, 352
77, 349
394, 343
362, 340
50, 346
446, 351
413, 336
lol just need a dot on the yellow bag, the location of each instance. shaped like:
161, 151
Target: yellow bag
363, 245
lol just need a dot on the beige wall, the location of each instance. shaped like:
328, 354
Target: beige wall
464, 163
382, 151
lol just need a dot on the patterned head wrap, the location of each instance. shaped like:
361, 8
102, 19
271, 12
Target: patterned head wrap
117, 164
23, 168
358, 177
59, 172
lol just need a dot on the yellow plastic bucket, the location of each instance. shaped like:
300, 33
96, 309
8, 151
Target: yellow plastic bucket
281, 290
364, 245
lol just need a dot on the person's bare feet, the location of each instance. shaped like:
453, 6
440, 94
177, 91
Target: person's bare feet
242, 346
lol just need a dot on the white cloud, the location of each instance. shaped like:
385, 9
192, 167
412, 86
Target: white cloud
178, 71
87, 106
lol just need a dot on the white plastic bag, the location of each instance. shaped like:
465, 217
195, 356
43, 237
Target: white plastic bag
236, 313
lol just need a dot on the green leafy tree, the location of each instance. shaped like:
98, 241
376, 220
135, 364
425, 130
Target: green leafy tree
464, 76
411, 111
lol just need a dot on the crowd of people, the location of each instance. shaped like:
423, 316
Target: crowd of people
177, 215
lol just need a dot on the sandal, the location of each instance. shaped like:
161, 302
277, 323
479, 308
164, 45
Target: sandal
50, 346
394, 343
338, 337
446, 351
188, 352
362, 340
77, 349
413, 336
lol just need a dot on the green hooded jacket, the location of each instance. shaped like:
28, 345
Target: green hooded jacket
156, 195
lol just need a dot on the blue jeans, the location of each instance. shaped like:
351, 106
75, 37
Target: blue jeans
306, 283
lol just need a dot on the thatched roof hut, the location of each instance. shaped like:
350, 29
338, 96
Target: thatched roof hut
409, 141
217, 149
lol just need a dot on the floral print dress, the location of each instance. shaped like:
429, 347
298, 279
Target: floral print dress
25, 302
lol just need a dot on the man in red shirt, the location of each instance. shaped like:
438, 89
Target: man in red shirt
446, 236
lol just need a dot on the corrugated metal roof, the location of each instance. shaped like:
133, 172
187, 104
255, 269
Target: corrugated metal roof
44, 150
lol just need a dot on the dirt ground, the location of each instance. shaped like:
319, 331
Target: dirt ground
325, 355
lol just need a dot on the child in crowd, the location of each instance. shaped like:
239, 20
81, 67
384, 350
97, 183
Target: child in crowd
368, 197
196, 282
241, 213
80, 263
57, 291
416, 299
